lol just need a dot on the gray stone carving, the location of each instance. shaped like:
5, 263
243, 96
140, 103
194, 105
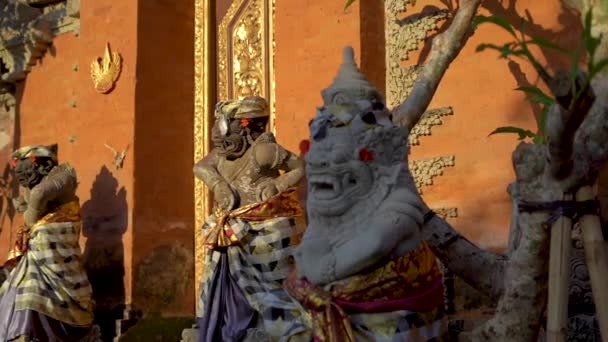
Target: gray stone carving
27, 29
582, 324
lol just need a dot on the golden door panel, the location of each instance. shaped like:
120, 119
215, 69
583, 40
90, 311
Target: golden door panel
245, 52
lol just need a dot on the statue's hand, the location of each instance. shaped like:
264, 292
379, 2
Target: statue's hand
30, 216
19, 204
225, 196
267, 190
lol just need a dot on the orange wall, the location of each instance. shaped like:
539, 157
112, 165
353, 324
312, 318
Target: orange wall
163, 233
478, 86
58, 102
138, 221
307, 57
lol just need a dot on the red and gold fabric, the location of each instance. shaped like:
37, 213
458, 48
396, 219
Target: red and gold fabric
69, 212
411, 282
284, 204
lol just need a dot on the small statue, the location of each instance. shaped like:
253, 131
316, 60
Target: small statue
47, 295
362, 271
250, 233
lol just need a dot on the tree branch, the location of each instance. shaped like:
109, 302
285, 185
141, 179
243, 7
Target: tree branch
481, 269
445, 48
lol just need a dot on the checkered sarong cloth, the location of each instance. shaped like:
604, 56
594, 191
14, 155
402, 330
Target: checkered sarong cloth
259, 263
49, 277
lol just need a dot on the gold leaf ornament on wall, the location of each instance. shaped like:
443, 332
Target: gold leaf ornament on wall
105, 71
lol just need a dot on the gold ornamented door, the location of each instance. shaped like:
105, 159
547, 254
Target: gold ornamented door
234, 58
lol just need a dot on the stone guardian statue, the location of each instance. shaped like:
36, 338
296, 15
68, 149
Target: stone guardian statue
47, 295
249, 236
362, 271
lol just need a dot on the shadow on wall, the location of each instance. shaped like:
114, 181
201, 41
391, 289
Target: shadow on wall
105, 221
163, 193
567, 37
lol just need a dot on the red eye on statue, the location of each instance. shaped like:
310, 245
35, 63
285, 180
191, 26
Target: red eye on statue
32, 159
304, 147
14, 162
244, 122
366, 155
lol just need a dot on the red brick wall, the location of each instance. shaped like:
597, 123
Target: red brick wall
138, 221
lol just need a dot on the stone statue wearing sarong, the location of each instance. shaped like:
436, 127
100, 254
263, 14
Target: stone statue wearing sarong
47, 295
362, 271
250, 235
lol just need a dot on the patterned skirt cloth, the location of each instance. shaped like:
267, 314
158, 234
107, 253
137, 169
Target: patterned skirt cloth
241, 288
47, 296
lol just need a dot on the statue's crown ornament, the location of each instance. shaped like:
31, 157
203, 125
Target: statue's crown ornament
350, 85
354, 110
351, 100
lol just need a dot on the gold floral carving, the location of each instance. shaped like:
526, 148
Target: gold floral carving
105, 71
246, 51
203, 106
245, 62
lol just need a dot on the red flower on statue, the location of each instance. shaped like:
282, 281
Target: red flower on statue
366, 155
244, 122
304, 147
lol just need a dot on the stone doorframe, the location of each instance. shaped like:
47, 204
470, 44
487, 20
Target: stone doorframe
240, 50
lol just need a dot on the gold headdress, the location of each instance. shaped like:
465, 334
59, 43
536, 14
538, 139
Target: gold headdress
250, 107
49, 151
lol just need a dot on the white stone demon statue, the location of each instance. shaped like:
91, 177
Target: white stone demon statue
362, 270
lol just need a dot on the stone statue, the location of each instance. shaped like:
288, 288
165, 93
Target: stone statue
362, 270
249, 236
47, 295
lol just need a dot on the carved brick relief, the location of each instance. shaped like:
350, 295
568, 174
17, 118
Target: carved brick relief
404, 34
27, 29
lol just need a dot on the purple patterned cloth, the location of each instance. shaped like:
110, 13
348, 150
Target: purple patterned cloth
35, 326
229, 314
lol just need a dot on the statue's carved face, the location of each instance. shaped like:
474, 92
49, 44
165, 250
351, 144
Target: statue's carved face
336, 178
241, 133
31, 171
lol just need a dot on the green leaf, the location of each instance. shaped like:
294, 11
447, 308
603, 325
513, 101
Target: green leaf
348, 3
523, 133
497, 20
542, 120
597, 68
574, 68
547, 44
591, 43
537, 95
538, 139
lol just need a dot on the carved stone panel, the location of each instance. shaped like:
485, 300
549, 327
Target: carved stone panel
404, 34
26, 32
